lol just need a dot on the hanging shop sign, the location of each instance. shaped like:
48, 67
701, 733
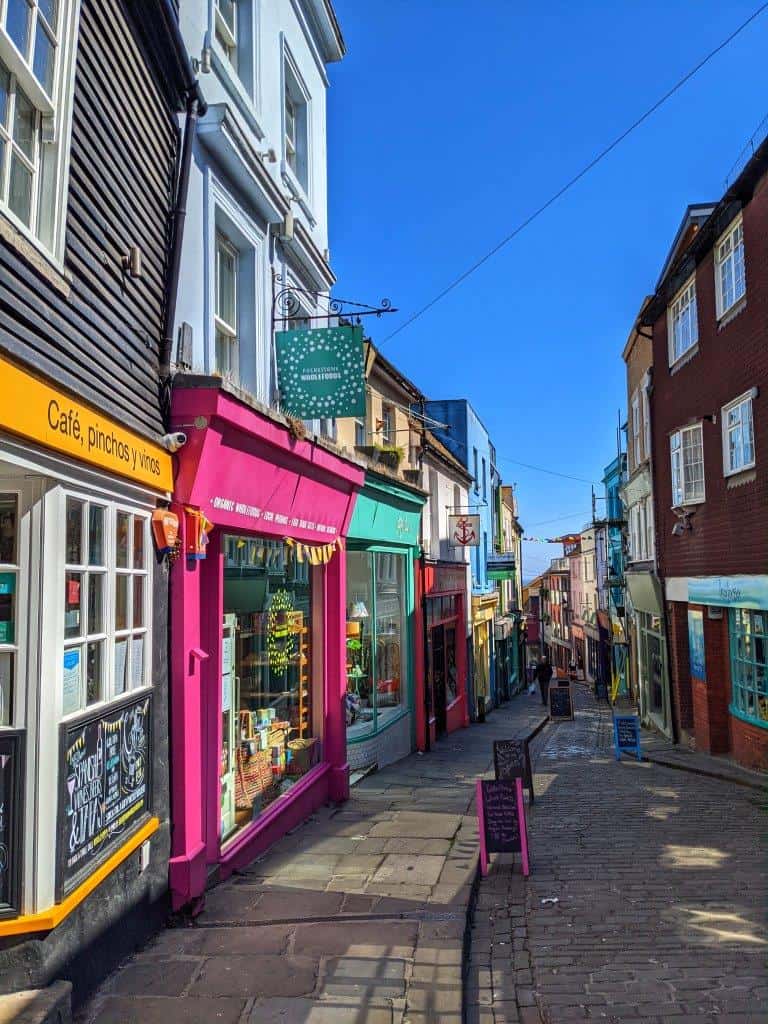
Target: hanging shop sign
11, 755
320, 372
104, 787
696, 644
501, 824
464, 531
500, 569
33, 409
730, 591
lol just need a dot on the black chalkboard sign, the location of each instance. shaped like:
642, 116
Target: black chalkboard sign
509, 759
501, 823
104, 786
11, 805
512, 760
560, 702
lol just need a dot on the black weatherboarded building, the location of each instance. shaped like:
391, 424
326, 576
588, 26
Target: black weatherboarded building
96, 100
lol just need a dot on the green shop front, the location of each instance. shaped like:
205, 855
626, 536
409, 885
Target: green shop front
382, 628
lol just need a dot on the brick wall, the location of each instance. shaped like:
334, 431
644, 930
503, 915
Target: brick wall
749, 744
730, 529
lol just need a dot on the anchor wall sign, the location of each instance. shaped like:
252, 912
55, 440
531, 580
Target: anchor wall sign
464, 531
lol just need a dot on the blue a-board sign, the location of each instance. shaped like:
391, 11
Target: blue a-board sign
626, 736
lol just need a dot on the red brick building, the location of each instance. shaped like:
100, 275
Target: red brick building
709, 415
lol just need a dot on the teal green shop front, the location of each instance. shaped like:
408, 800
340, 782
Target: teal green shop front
383, 623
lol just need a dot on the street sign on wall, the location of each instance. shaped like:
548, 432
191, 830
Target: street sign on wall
464, 531
320, 372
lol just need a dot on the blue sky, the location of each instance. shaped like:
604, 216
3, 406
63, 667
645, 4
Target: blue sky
449, 122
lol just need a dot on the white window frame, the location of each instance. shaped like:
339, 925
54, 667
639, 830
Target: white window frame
360, 431
729, 259
297, 143
646, 407
742, 402
48, 162
226, 34
677, 448
228, 331
684, 300
388, 424
636, 439
110, 636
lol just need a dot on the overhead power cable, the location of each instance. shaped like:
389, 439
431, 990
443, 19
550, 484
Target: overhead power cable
577, 177
559, 519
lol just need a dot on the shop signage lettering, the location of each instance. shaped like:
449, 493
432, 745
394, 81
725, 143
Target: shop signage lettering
266, 515
730, 591
446, 580
10, 823
104, 787
320, 372
44, 414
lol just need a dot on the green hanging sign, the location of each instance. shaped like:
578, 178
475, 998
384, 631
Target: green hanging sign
320, 372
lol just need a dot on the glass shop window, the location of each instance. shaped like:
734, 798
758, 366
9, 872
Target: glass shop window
749, 663
268, 738
106, 603
9, 585
376, 669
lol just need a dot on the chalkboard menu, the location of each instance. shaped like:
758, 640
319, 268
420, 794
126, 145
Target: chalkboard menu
560, 702
512, 760
626, 736
104, 786
501, 823
509, 758
501, 820
11, 754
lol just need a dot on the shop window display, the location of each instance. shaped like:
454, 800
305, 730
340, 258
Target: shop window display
749, 663
268, 739
375, 629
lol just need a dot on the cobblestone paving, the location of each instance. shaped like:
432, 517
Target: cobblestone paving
646, 900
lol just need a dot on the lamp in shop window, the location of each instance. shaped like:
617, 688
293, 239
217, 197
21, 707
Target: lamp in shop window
358, 611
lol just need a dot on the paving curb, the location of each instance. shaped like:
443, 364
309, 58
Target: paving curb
756, 784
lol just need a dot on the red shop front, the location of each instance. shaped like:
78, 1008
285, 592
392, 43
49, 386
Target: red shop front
441, 692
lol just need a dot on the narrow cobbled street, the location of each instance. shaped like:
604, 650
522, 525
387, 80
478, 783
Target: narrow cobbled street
644, 902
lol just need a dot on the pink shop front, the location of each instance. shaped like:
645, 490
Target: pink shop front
258, 668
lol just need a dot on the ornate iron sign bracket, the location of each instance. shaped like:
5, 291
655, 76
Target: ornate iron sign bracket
287, 306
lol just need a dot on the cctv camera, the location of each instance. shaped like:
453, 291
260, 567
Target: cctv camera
678, 530
172, 442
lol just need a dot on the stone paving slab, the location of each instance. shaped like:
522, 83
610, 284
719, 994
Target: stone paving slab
357, 916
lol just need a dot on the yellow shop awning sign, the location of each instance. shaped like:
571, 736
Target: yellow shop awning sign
35, 410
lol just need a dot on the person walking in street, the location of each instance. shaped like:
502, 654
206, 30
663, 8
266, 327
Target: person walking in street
544, 676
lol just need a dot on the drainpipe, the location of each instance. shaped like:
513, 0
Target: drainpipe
196, 107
